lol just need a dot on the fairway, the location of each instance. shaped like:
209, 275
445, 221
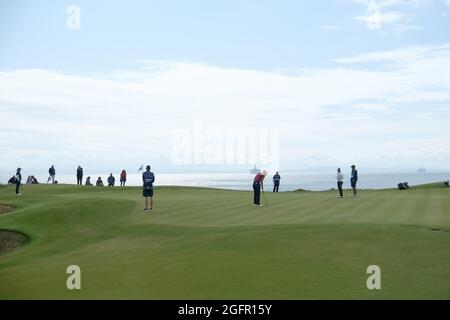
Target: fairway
213, 244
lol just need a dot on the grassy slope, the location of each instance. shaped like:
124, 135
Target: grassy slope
203, 243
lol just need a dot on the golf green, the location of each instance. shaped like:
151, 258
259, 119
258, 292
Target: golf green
213, 244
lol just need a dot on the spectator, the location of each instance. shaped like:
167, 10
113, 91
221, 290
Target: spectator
52, 173
123, 178
340, 182
111, 180
148, 178
99, 182
354, 179
403, 185
276, 182
79, 176
18, 180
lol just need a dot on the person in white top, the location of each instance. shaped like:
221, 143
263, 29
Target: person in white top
340, 182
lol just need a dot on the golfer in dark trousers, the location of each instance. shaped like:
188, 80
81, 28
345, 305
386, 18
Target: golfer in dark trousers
276, 182
18, 181
258, 185
340, 182
79, 176
354, 179
148, 178
52, 173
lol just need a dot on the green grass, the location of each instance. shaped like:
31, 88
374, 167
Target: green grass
213, 244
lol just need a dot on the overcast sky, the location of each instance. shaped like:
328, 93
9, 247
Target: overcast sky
340, 82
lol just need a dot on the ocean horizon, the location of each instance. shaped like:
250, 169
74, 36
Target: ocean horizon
243, 181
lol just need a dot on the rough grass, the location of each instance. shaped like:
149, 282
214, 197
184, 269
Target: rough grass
213, 244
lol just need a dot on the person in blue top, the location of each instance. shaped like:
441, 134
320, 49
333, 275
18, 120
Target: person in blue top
354, 179
79, 176
276, 182
111, 180
148, 178
18, 181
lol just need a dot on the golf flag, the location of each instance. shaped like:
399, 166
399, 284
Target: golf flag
141, 168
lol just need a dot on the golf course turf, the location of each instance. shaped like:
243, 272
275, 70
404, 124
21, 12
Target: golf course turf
213, 244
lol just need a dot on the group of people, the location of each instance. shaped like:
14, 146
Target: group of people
32, 180
353, 180
99, 183
148, 178
258, 184
17, 179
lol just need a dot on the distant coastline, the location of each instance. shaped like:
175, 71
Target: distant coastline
289, 181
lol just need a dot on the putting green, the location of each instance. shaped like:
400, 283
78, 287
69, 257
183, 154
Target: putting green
213, 244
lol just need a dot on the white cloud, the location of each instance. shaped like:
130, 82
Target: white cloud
49, 116
404, 28
399, 14
375, 20
402, 55
391, 3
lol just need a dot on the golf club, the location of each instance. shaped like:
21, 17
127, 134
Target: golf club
265, 200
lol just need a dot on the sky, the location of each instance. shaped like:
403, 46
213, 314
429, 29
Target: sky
308, 85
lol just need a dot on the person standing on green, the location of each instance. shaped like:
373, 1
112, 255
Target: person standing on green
354, 179
276, 182
79, 176
18, 181
148, 178
258, 186
340, 182
52, 174
111, 180
123, 178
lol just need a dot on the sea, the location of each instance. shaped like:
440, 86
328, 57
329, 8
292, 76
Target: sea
243, 181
